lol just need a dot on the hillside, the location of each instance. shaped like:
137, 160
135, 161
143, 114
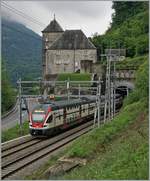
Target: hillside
21, 50
129, 29
117, 150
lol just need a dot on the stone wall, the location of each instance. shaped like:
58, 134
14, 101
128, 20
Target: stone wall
59, 61
49, 38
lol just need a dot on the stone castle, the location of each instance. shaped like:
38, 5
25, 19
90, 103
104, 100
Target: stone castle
66, 51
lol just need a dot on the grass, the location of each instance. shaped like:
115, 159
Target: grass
82, 147
124, 158
74, 76
15, 132
117, 150
131, 62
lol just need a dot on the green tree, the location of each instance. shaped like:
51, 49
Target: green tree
8, 93
129, 29
125, 10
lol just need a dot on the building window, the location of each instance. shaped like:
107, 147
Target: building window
58, 62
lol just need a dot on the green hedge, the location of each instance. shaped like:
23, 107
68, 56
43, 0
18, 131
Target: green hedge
74, 77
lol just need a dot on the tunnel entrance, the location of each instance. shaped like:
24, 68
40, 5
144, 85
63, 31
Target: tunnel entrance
123, 90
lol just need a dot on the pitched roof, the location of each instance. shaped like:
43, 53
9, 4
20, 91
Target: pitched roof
53, 27
72, 39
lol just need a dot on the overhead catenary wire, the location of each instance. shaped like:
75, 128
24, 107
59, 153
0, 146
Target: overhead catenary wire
29, 18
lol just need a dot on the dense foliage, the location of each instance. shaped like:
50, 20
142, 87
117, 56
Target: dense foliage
8, 92
125, 10
141, 85
129, 29
21, 50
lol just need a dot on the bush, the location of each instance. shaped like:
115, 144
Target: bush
141, 85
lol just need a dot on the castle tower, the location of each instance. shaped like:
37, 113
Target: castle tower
50, 34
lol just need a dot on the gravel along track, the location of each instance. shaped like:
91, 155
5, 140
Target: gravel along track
24, 154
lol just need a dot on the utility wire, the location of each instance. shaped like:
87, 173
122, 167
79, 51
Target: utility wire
29, 18
21, 13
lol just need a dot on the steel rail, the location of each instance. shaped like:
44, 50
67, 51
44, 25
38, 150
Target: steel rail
11, 166
19, 147
16, 142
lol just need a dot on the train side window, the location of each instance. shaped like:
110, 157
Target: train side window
50, 119
59, 116
83, 109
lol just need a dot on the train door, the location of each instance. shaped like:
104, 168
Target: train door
65, 116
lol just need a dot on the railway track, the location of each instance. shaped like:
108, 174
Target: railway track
18, 155
16, 142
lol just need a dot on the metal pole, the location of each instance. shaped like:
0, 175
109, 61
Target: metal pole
20, 105
114, 90
95, 114
112, 99
74, 61
79, 91
98, 108
127, 91
109, 88
106, 92
99, 103
68, 85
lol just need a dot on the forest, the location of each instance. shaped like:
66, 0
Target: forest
129, 29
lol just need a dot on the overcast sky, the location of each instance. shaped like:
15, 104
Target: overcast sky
90, 16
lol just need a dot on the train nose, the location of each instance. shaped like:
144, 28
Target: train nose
37, 125
36, 132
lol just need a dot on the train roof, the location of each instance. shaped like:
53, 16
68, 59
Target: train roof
64, 103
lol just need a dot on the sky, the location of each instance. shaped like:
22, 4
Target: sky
90, 16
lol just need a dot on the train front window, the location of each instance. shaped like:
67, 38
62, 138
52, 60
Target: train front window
49, 119
38, 117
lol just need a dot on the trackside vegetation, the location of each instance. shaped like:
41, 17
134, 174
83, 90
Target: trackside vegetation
117, 150
74, 76
130, 63
15, 132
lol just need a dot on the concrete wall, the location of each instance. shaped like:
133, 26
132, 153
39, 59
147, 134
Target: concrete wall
59, 61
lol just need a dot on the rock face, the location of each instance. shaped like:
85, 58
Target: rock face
64, 165
63, 51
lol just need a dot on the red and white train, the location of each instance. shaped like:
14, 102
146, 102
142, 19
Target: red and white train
49, 118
